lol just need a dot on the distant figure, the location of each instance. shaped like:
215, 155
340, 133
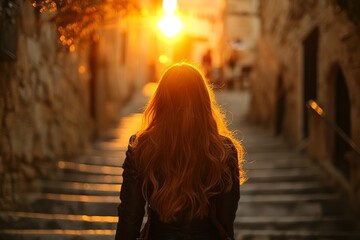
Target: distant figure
207, 64
232, 70
183, 164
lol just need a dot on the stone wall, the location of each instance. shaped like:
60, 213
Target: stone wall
290, 31
44, 107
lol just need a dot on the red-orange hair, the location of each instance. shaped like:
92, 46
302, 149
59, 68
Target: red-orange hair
180, 150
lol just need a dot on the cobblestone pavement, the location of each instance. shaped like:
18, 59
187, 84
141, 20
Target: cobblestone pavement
284, 198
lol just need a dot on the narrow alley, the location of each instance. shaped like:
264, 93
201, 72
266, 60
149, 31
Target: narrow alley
75, 77
286, 197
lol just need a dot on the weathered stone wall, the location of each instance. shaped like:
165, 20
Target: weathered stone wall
278, 83
44, 110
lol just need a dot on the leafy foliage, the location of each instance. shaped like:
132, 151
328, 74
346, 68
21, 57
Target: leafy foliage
77, 20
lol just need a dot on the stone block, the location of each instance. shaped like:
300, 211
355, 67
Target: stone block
9, 103
22, 61
54, 143
20, 129
2, 168
2, 112
41, 115
41, 92
25, 95
27, 13
45, 74
354, 161
58, 80
14, 86
34, 51
49, 41
7, 188
28, 171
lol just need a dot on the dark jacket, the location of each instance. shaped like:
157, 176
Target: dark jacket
131, 210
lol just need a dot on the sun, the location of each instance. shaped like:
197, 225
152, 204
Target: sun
170, 25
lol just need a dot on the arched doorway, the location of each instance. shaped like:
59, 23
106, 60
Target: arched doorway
342, 120
280, 106
310, 48
93, 64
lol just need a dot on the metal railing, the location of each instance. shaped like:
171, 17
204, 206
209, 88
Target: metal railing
312, 105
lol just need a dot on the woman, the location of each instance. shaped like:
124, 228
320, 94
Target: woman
183, 162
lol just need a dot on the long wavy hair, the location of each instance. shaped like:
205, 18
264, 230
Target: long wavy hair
180, 151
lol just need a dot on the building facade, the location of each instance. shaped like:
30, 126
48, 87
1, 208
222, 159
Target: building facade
54, 102
310, 50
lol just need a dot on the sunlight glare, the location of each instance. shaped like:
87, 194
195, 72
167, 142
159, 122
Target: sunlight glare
170, 26
149, 89
164, 59
169, 6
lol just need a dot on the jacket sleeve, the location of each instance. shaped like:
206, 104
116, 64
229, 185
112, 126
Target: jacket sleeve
227, 202
132, 207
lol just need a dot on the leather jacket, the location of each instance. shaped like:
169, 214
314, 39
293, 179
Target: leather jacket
131, 210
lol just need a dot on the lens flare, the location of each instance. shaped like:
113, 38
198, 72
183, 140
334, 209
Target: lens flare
169, 6
170, 26
164, 59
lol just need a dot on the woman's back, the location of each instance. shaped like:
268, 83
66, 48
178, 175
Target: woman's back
182, 162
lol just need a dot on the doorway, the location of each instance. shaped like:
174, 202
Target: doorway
280, 106
310, 46
342, 120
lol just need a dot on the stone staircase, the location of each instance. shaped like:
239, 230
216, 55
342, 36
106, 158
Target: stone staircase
284, 198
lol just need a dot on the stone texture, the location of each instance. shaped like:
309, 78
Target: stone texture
45, 101
28, 171
27, 19
34, 51
285, 27
36, 92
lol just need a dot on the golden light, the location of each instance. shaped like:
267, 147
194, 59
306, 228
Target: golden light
170, 26
82, 69
169, 6
163, 59
316, 107
149, 89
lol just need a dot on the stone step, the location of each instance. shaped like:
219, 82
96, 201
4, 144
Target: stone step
254, 177
112, 189
26, 220
56, 234
104, 153
277, 175
31, 220
249, 205
257, 136
98, 160
82, 188
73, 204
296, 235
91, 178
314, 223
80, 164
113, 145
278, 163
267, 148
284, 188
249, 163
67, 166
289, 155
254, 173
